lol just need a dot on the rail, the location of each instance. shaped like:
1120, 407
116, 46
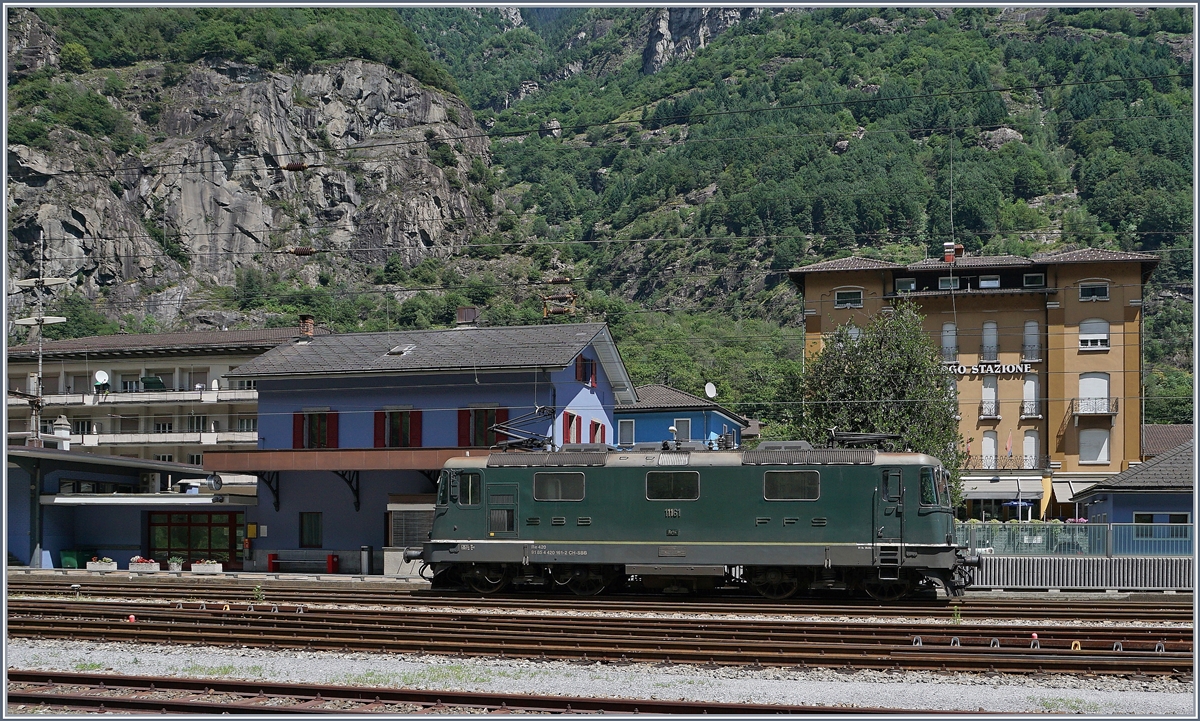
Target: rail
1101, 540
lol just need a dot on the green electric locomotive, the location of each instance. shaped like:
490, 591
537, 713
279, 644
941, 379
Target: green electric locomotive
781, 518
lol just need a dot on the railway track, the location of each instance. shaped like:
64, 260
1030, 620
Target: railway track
160, 695
1180, 611
1123, 650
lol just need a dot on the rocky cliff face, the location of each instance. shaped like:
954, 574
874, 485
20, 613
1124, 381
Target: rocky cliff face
680, 32
210, 192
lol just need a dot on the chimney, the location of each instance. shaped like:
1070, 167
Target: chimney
467, 314
948, 252
306, 325
958, 250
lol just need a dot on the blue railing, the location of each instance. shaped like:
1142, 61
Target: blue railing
1076, 539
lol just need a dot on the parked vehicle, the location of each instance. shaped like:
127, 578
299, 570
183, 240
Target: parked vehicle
675, 517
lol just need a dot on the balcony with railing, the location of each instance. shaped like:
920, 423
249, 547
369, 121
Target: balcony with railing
949, 354
224, 395
989, 410
989, 353
1094, 407
1031, 353
1031, 409
1005, 463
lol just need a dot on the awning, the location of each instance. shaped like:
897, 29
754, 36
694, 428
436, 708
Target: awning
149, 500
1002, 488
1064, 491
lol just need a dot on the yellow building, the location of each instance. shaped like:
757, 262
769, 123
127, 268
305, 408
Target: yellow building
1046, 352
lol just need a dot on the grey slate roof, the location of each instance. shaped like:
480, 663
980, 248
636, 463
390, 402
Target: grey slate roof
1170, 472
500, 348
1094, 255
130, 344
1160, 438
851, 263
659, 397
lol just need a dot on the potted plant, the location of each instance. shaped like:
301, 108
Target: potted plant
137, 563
206, 566
175, 563
101, 564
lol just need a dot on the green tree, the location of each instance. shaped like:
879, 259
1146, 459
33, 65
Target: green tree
82, 320
1168, 396
886, 377
75, 58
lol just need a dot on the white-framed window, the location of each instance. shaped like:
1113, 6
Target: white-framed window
1030, 450
163, 425
1093, 445
906, 285
1034, 280
196, 459
949, 342
948, 282
169, 457
246, 384
197, 424
683, 429
247, 425
625, 432
1093, 334
131, 383
81, 426
1031, 342
1097, 290
989, 350
990, 439
1030, 408
848, 299
989, 281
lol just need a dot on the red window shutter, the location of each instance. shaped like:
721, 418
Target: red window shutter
297, 430
603, 431
592, 380
579, 368
414, 429
501, 417
464, 428
332, 430
566, 434
380, 429
577, 422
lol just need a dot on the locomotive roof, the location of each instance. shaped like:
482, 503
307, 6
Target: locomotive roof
692, 458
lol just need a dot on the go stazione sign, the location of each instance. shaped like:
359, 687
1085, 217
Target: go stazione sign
988, 369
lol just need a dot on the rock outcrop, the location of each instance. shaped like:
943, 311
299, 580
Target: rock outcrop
386, 162
680, 32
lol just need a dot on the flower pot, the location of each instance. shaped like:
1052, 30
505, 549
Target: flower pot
206, 568
175, 566
101, 566
144, 567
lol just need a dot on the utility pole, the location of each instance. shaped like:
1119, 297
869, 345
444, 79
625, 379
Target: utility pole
39, 287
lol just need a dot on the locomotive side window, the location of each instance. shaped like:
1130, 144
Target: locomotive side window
943, 489
443, 497
558, 486
470, 489
929, 496
672, 485
792, 485
891, 484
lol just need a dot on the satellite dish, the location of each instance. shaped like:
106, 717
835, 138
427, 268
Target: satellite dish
215, 482
710, 390
101, 377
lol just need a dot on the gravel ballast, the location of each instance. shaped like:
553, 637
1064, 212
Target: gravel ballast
908, 690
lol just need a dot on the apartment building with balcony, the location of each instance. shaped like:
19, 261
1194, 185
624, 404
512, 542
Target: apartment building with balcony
1045, 351
167, 397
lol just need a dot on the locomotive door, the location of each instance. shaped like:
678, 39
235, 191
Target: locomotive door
889, 513
502, 510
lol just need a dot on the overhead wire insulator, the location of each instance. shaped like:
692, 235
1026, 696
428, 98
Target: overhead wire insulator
296, 167
560, 280
305, 250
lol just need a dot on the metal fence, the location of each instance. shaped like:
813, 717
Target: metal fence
1077, 539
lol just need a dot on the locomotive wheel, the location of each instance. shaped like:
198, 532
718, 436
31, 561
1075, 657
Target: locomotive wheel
590, 582
775, 583
887, 590
488, 579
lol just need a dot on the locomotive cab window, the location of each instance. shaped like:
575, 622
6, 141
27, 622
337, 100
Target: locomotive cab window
672, 485
443, 497
929, 495
943, 489
791, 485
470, 489
558, 486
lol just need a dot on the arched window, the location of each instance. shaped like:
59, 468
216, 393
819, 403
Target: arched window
1031, 342
1030, 408
1093, 393
990, 349
949, 342
990, 406
989, 449
1031, 450
1093, 334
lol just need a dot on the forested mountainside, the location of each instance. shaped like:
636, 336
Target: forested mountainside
671, 162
